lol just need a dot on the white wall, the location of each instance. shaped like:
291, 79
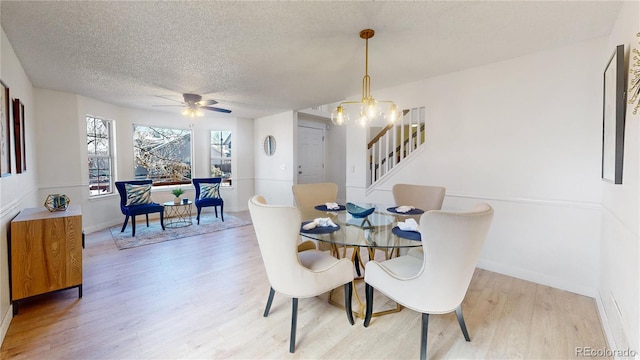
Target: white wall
336, 164
244, 163
618, 280
524, 136
274, 174
60, 165
17, 191
356, 160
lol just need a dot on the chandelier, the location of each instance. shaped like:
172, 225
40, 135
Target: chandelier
369, 107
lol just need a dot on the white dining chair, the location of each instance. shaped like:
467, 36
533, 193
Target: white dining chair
302, 244
437, 282
294, 273
423, 197
310, 195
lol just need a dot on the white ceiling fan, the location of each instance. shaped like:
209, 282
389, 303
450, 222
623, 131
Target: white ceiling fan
194, 104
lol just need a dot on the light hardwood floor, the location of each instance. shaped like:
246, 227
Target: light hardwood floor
203, 297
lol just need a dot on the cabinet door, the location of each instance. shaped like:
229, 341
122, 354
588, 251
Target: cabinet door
46, 255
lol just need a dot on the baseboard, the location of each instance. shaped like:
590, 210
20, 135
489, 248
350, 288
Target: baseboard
102, 226
537, 278
6, 321
604, 321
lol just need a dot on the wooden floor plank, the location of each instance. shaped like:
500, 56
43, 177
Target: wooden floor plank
203, 297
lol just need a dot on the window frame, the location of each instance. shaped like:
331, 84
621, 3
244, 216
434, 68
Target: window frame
110, 156
227, 179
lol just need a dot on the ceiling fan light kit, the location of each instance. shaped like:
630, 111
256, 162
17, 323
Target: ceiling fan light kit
369, 107
192, 112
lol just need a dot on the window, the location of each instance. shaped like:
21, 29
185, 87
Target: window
162, 154
100, 156
220, 155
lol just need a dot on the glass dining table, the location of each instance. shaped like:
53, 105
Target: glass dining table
357, 236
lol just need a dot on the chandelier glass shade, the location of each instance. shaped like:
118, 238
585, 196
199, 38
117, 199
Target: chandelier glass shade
370, 108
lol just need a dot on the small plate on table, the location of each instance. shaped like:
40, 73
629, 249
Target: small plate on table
410, 212
324, 207
410, 235
318, 229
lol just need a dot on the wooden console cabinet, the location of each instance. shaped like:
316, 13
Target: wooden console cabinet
45, 252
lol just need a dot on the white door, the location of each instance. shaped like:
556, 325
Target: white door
310, 155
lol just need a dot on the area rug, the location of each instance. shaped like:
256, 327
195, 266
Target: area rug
154, 233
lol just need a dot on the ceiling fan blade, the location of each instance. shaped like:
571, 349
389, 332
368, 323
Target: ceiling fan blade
168, 98
216, 109
207, 102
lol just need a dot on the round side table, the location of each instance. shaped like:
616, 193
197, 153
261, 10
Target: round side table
177, 215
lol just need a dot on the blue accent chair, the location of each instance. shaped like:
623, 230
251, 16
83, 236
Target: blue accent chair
210, 201
134, 210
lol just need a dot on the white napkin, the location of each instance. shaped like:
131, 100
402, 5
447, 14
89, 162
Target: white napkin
408, 225
309, 225
323, 222
404, 208
332, 206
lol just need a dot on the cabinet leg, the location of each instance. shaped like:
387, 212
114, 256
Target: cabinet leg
15, 308
80, 291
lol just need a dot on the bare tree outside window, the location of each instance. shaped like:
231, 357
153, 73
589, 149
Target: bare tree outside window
220, 155
100, 156
162, 154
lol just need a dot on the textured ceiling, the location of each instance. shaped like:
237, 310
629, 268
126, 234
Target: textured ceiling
260, 58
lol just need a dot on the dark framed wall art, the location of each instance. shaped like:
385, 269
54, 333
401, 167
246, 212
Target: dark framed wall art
24, 136
19, 136
613, 113
5, 127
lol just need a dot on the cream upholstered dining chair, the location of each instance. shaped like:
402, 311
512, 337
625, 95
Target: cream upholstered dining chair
302, 246
438, 282
423, 197
310, 195
420, 196
290, 272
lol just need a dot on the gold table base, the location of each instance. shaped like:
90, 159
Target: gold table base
357, 259
177, 214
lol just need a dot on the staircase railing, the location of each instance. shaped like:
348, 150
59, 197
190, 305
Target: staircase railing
380, 134
395, 142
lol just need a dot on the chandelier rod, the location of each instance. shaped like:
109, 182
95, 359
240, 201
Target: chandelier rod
366, 34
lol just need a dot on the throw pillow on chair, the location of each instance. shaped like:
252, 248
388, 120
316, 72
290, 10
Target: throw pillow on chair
209, 191
208, 195
138, 194
135, 199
